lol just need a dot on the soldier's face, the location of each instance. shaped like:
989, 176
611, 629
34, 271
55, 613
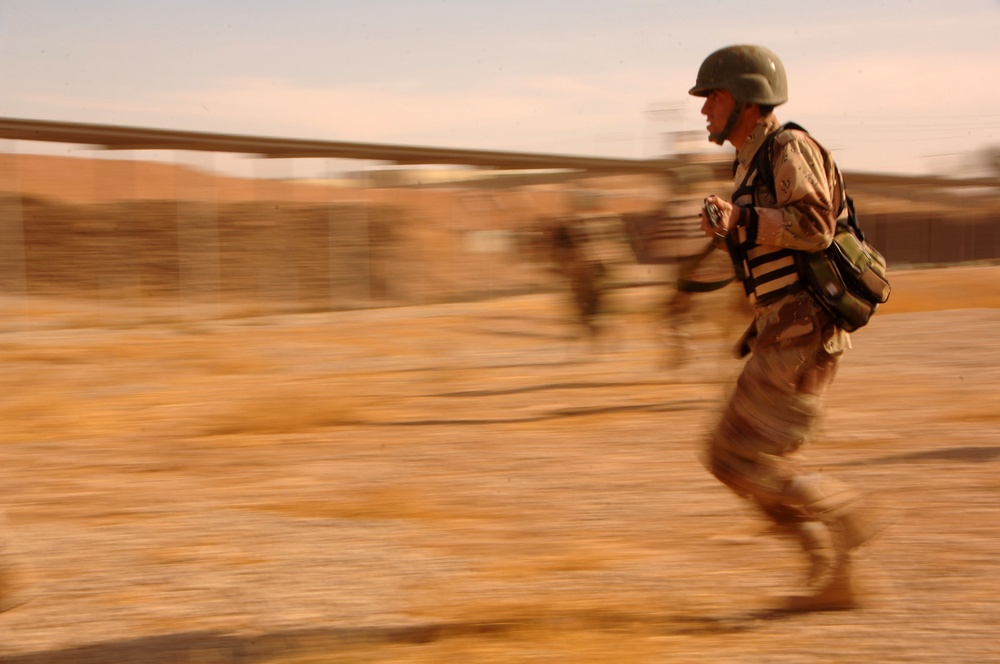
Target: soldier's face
716, 109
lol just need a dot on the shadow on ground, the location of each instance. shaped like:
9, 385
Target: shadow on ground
966, 454
253, 649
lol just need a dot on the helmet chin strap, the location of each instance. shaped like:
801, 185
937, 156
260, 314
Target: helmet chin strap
721, 136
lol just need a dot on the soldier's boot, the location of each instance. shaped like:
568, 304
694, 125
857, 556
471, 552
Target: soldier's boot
841, 508
836, 592
848, 523
817, 543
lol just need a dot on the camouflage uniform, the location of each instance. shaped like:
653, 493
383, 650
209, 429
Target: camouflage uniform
794, 350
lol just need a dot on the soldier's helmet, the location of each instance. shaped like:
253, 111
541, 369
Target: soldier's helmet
753, 74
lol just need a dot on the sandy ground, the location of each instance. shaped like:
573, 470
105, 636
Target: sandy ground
470, 482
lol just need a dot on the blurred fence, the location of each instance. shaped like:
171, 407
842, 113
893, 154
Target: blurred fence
98, 229
934, 238
136, 233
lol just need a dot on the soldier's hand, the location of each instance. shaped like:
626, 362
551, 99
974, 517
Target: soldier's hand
722, 223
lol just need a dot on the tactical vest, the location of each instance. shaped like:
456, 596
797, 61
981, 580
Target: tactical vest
766, 271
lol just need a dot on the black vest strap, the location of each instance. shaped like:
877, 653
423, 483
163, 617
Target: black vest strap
760, 166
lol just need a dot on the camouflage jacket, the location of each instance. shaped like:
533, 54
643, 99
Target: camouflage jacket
800, 215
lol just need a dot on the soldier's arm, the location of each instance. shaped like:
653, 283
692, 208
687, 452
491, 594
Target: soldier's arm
808, 199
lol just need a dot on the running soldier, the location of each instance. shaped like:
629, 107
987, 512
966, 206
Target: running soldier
794, 347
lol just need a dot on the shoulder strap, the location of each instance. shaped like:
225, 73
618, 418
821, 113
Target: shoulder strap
762, 164
765, 157
764, 160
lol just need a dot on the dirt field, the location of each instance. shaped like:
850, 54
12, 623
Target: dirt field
470, 483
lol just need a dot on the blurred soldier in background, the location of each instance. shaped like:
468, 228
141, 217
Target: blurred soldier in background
573, 257
585, 273
793, 346
701, 267
701, 279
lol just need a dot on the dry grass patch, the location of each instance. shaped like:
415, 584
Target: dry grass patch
967, 287
43, 413
532, 559
288, 408
987, 411
389, 502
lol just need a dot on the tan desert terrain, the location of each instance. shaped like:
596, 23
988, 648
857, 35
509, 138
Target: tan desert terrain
471, 482
468, 482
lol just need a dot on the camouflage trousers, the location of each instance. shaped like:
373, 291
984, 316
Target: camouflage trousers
770, 415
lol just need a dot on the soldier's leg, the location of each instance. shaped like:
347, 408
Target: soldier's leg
587, 296
772, 411
823, 498
848, 523
677, 325
677, 315
842, 508
813, 537
832, 505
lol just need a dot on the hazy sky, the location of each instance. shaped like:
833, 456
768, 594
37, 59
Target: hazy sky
901, 86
